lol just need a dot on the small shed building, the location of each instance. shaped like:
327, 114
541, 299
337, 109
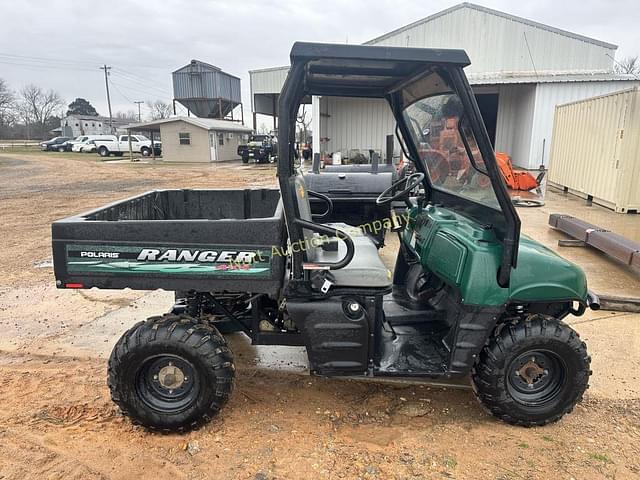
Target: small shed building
192, 139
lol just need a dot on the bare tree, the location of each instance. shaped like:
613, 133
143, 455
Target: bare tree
629, 65
304, 122
129, 116
159, 109
39, 107
7, 106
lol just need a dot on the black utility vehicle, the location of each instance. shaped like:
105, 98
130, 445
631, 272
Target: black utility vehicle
468, 295
259, 149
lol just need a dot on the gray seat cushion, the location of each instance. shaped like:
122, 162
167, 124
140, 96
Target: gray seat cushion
366, 270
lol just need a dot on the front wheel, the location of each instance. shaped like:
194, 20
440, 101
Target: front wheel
532, 372
145, 151
104, 152
171, 373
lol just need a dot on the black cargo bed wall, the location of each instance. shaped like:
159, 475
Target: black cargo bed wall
192, 205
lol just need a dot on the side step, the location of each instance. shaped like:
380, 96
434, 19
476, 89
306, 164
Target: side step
399, 312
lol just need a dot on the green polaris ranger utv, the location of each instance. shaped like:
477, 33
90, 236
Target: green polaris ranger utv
468, 295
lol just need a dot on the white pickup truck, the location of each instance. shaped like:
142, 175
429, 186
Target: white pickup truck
119, 145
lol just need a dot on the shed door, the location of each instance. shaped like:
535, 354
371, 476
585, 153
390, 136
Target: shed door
213, 146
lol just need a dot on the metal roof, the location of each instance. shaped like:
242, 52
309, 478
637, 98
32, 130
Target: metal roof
205, 65
498, 14
546, 77
269, 69
206, 123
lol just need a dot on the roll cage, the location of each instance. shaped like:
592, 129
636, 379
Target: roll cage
385, 73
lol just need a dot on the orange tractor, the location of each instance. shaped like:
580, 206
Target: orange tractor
517, 180
448, 156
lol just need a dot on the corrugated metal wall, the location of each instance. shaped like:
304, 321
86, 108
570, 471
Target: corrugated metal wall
515, 120
497, 44
355, 123
596, 149
269, 80
548, 95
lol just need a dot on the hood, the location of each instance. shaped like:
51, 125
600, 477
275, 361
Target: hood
543, 275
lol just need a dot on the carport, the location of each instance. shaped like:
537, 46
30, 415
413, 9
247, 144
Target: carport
148, 130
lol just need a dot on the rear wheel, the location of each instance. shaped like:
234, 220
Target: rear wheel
104, 152
171, 373
245, 159
62, 149
532, 372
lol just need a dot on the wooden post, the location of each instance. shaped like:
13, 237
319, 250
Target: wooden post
153, 148
275, 112
130, 147
254, 121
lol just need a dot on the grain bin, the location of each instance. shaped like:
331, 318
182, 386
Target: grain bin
595, 151
205, 90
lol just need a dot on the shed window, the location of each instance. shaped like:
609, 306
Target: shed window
185, 138
221, 139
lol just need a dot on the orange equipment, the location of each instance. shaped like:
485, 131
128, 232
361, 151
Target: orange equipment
516, 180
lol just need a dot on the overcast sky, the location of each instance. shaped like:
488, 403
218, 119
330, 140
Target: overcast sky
61, 44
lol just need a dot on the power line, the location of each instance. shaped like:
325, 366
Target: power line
143, 82
75, 62
137, 90
43, 66
114, 85
132, 75
47, 60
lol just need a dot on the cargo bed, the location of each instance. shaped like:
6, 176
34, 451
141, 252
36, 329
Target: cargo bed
205, 240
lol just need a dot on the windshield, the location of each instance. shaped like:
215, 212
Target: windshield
448, 149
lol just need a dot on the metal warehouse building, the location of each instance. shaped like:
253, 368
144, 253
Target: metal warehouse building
520, 70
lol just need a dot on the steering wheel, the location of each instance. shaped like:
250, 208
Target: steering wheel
410, 182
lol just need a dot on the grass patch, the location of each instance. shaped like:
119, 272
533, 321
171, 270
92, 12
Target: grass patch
450, 462
601, 457
523, 445
547, 438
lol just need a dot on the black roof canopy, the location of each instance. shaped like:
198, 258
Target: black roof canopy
365, 71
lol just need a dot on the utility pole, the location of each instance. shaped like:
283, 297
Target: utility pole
139, 115
106, 82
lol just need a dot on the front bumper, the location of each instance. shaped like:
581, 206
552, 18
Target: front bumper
593, 301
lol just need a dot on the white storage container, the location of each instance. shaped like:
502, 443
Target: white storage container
595, 150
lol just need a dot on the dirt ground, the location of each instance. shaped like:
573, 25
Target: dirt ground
57, 421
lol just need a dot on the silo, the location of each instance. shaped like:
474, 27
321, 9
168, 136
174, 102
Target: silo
205, 90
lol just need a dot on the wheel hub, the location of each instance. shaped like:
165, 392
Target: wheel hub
536, 377
171, 377
531, 372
